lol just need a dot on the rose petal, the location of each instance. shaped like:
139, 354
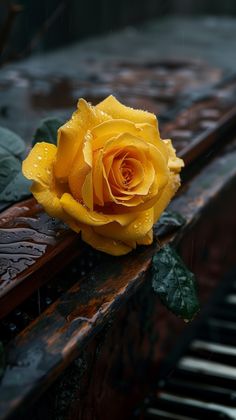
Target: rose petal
151, 135
134, 231
147, 239
80, 175
116, 110
103, 244
78, 212
92, 218
51, 203
167, 194
98, 186
174, 163
38, 165
108, 129
71, 135
87, 191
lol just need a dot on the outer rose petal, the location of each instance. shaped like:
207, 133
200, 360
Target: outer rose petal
167, 194
39, 163
115, 109
92, 218
80, 175
71, 134
51, 203
104, 131
135, 231
174, 163
43, 188
103, 244
151, 135
147, 239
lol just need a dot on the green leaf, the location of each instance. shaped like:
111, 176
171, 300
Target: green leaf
2, 359
47, 131
11, 143
174, 283
168, 223
16, 190
13, 185
9, 167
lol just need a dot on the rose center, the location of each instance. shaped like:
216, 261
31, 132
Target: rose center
127, 174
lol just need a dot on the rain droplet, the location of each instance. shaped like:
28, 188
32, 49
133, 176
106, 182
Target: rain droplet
39, 157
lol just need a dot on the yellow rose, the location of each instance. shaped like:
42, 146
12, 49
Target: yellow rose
110, 176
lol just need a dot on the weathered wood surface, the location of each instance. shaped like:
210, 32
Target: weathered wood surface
30, 240
159, 86
44, 349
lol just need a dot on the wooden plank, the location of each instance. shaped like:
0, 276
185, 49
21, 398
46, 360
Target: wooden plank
44, 349
30, 242
203, 123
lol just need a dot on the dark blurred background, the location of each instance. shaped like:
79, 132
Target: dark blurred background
29, 26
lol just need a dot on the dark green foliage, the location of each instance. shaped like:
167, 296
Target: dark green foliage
13, 185
174, 283
47, 131
17, 189
168, 223
11, 144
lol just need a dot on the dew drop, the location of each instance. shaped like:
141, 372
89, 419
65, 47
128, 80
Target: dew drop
39, 157
35, 165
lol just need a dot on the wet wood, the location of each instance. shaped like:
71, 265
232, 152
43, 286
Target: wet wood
159, 86
44, 349
31, 241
